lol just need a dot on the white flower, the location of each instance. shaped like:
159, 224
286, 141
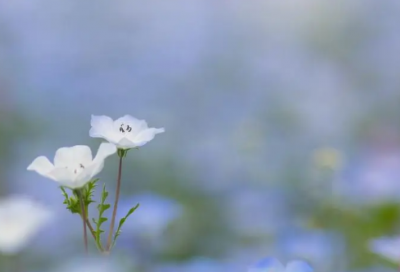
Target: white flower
273, 265
125, 132
73, 166
387, 247
20, 219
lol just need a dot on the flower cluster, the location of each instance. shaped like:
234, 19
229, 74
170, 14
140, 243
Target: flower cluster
75, 168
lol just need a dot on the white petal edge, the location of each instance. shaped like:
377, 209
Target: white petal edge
147, 135
128, 119
105, 150
125, 143
41, 165
64, 157
88, 174
63, 176
101, 126
298, 266
82, 154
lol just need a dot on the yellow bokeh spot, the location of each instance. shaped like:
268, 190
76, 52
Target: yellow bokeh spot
327, 158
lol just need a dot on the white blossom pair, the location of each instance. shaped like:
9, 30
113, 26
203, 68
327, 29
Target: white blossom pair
74, 166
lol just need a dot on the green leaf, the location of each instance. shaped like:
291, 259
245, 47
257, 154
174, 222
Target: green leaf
102, 207
72, 202
66, 200
88, 191
122, 221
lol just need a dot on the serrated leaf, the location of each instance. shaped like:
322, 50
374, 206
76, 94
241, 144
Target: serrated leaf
66, 197
71, 202
102, 207
88, 191
122, 221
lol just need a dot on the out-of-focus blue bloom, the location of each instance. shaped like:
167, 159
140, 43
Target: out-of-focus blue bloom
321, 247
298, 266
152, 217
198, 264
268, 265
273, 265
387, 247
256, 213
143, 232
91, 265
374, 179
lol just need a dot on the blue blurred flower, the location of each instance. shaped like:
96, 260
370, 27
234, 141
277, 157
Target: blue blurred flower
196, 264
152, 217
387, 247
320, 247
255, 213
273, 265
92, 265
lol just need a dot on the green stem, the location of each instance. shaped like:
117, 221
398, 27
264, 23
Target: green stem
93, 232
84, 220
114, 214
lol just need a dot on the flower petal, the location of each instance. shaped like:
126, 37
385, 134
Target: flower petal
136, 124
298, 266
125, 143
82, 154
105, 150
64, 157
85, 176
41, 165
147, 135
103, 127
63, 176
268, 265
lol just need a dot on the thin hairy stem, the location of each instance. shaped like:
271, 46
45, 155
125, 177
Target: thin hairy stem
114, 214
84, 221
93, 232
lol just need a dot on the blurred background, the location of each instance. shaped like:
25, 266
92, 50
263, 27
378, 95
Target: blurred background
282, 126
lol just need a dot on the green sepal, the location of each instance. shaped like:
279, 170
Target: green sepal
72, 202
122, 152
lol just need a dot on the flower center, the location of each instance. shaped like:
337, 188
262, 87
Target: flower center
77, 169
125, 128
